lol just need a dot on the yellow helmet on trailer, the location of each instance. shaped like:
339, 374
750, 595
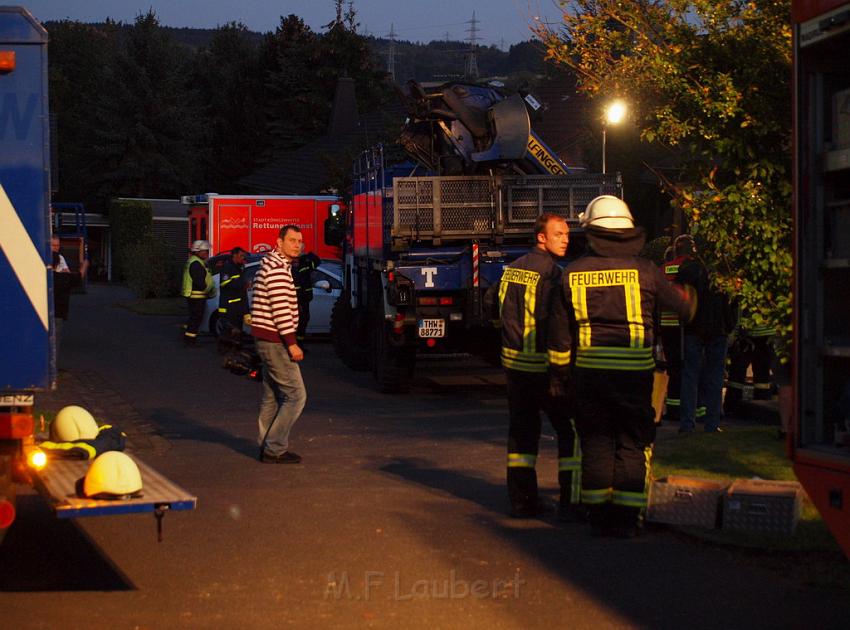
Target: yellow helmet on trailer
73, 423
607, 211
113, 475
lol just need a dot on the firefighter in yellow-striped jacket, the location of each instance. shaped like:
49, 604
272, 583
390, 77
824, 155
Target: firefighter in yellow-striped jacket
233, 301
537, 368
752, 346
612, 296
671, 331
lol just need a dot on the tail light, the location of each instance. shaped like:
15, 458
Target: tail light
7, 513
15, 426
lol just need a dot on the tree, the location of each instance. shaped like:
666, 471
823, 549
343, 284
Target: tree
146, 129
227, 74
709, 80
79, 56
295, 108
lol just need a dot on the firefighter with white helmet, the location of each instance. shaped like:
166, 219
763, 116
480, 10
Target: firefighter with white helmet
611, 296
198, 287
607, 211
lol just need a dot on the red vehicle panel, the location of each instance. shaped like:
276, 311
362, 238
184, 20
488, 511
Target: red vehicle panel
253, 223
819, 444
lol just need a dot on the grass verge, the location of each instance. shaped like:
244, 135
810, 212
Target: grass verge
749, 452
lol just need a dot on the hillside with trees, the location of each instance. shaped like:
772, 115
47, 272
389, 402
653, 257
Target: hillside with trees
144, 110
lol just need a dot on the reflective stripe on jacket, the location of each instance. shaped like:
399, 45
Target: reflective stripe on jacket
234, 296
527, 296
108, 439
668, 318
613, 296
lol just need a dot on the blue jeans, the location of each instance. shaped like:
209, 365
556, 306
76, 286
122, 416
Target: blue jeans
284, 397
702, 380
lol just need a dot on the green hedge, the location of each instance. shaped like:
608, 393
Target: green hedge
130, 222
150, 270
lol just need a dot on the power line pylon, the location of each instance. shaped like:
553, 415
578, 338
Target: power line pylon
471, 67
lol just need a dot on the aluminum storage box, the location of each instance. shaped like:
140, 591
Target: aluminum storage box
685, 501
756, 505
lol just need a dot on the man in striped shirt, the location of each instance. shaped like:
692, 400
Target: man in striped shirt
274, 320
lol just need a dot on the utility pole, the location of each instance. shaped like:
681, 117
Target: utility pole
471, 68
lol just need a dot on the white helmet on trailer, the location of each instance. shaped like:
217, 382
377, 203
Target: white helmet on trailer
73, 423
201, 246
607, 211
113, 475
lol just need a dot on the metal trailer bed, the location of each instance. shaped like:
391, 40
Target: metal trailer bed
56, 482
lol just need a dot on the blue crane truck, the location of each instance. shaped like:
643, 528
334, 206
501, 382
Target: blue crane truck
27, 336
423, 241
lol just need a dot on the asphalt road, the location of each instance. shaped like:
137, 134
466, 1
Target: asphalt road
396, 518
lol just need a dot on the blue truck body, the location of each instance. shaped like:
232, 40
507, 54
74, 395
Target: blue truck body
420, 251
27, 334
28, 361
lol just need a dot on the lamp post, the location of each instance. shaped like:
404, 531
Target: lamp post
614, 114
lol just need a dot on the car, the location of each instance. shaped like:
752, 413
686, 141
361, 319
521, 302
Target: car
327, 286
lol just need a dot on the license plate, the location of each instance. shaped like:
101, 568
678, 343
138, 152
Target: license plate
432, 328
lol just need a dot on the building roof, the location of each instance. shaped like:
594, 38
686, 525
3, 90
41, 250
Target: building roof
163, 208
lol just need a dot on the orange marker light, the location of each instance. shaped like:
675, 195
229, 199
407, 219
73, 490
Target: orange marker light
7, 60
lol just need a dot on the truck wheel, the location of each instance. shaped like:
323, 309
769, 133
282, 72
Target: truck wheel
346, 331
392, 366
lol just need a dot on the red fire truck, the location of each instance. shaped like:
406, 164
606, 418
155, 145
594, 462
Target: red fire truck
820, 445
253, 222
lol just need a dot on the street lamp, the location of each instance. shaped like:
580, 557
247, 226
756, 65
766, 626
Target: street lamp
614, 114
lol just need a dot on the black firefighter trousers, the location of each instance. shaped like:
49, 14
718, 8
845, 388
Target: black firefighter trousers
195, 307
671, 341
616, 427
528, 395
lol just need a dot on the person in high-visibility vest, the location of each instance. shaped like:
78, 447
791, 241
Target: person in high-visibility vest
198, 287
612, 294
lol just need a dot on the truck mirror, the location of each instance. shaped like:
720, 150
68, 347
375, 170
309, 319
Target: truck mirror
334, 231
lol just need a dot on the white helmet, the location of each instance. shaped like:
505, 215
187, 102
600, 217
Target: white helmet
607, 211
200, 246
73, 423
113, 475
